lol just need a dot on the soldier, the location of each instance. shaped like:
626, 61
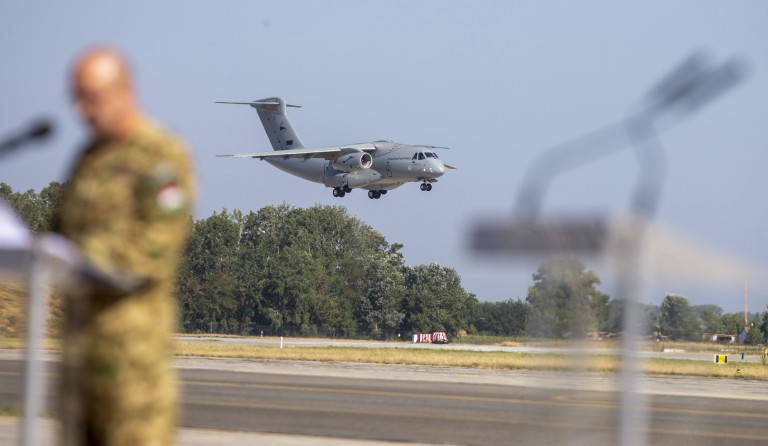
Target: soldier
126, 207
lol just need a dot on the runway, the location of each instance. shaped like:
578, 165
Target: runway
450, 406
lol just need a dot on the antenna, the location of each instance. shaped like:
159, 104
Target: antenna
745, 303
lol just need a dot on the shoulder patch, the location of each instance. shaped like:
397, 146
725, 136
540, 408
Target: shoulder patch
170, 197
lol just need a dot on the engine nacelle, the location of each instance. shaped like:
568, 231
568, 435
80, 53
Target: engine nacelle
353, 161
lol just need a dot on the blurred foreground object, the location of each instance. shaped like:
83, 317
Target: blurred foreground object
17, 262
37, 131
125, 208
694, 83
688, 87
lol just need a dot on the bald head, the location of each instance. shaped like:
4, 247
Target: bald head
103, 92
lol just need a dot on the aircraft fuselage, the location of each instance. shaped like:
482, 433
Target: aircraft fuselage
396, 164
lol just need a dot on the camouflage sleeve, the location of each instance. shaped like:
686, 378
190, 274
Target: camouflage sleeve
164, 193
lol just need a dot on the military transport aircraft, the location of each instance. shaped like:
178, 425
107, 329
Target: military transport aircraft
376, 166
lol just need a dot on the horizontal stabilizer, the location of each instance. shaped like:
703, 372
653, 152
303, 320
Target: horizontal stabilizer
259, 104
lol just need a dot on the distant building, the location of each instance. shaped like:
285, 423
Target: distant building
721, 338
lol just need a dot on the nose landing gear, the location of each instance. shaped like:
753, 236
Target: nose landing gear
425, 186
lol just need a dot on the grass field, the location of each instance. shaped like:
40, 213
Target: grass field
473, 359
487, 360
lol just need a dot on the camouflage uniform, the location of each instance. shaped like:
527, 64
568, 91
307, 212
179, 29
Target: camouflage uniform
126, 207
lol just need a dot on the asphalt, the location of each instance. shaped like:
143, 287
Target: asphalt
240, 401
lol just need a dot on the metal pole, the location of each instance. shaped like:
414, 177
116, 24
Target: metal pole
633, 422
745, 303
34, 384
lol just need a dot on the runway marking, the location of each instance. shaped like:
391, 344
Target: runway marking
668, 409
400, 414
388, 393
534, 422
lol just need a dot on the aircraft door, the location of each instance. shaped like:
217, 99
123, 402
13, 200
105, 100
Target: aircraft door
389, 170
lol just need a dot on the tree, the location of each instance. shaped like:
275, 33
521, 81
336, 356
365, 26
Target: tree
37, 211
710, 322
677, 319
435, 300
733, 323
507, 318
764, 324
648, 317
715, 309
754, 336
565, 301
207, 281
380, 306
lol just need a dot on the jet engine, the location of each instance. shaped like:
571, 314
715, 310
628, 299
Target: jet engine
353, 161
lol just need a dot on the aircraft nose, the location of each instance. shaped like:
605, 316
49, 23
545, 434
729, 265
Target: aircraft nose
433, 169
437, 168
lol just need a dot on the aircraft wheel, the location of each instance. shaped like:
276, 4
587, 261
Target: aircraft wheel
377, 195
371, 194
423, 186
383, 192
335, 191
342, 193
347, 189
429, 187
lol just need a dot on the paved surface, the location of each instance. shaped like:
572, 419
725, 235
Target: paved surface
10, 426
231, 401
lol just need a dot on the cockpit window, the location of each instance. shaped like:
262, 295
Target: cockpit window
415, 156
421, 155
430, 155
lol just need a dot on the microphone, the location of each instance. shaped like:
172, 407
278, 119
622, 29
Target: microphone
40, 129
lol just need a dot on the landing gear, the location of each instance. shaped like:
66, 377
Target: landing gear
425, 186
341, 191
376, 194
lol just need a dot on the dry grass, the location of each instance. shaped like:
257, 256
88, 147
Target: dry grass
19, 343
679, 367
441, 358
704, 347
13, 302
455, 358
472, 359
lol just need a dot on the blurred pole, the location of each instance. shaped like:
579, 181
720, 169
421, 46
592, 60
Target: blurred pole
34, 385
633, 429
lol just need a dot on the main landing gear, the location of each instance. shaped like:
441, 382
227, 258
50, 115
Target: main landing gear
341, 191
425, 186
376, 194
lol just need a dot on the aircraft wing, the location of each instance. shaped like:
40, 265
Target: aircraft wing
329, 153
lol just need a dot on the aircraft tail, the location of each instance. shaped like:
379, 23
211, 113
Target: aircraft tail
271, 111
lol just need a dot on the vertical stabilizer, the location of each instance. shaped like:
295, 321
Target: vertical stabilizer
271, 111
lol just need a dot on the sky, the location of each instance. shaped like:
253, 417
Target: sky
499, 82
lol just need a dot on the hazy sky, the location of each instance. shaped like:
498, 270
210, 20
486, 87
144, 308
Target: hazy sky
497, 82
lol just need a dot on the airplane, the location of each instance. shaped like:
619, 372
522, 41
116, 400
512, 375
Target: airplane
377, 166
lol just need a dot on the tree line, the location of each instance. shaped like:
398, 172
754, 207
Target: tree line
314, 270
317, 269
564, 302
321, 271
